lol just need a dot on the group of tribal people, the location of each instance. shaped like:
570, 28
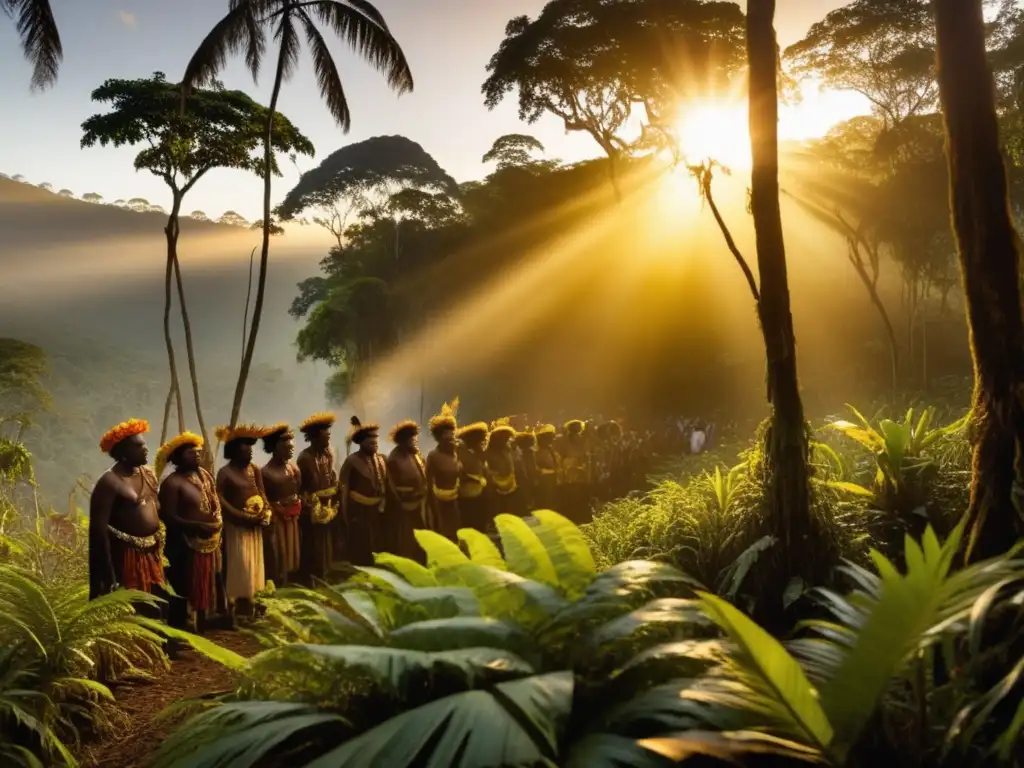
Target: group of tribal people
216, 541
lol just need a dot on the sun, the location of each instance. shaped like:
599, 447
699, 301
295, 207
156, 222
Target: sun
714, 130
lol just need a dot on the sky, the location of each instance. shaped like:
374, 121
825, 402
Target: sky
447, 42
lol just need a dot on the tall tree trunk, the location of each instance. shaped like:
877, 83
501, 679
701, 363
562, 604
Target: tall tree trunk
172, 244
261, 286
171, 237
786, 442
986, 244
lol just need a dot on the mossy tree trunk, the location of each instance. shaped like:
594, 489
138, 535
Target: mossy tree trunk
986, 244
786, 440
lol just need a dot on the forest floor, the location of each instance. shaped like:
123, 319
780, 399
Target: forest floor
132, 744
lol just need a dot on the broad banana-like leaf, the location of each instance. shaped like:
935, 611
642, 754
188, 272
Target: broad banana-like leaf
414, 573
207, 648
568, 549
506, 595
246, 734
524, 552
418, 603
482, 551
406, 675
774, 674
440, 551
680, 661
727, 747
463, 632
637, 581
669, 615
517, 723
607, 750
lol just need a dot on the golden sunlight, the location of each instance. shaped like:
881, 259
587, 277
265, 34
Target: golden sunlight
714, 130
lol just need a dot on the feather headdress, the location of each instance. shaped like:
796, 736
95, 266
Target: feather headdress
319, 420
573, 426
274, 434
502, 428
446, 418
403, 430
120, 432
249, 433
167, 449
360, 431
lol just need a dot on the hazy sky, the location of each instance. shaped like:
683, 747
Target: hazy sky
447, 42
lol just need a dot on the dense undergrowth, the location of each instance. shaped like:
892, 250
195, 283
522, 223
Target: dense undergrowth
633, 641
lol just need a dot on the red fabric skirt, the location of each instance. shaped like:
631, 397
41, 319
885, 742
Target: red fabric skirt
141, 570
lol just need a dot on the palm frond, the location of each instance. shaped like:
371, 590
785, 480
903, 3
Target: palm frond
359, 24
40, 38
327, 77
240, 29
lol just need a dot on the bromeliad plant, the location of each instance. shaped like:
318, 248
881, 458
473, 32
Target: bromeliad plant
905, 470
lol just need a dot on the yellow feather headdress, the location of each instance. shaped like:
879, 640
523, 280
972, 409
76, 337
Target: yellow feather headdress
446, 419
404, 429
360, 431
502, 426
318, 421
165, 450
526, 439
476, 428
574, 426
545, 429
275, 433
247, 432
124, 430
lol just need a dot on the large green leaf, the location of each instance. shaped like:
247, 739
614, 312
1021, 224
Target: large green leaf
414, 573
638, 581
402, 673
906, 607
482, 551
418, 603
506, 595
463, 632
568, 549
246, 734
207, 648
513, 724
727, 747
440, 551
606, 750
682, 618
524, 552
774, 674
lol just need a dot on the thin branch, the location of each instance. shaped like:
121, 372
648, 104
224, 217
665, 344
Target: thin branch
704, 174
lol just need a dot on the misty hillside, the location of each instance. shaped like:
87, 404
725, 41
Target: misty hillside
85, 282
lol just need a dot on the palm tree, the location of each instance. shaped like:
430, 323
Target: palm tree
786, 444
989, 262
40, 38
245, 29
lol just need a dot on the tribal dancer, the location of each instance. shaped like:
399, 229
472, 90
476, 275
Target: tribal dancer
246, 513
407, 482
282, 481
363, 483
443, 470
319, 484
576, 473
190, 509
526, 469
473, 506
549, 468
125, 533
501, 470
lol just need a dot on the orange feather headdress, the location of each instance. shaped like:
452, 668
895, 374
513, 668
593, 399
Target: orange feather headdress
125, 429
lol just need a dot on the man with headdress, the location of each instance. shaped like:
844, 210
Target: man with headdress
576, 473
319, 484
549, 468
443, 472
363, 484
190, 508
501, 469
526, 469
246, 513
125, 534
407, 486
282, 481
473, 501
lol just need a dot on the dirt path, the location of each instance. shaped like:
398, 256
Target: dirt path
191, 675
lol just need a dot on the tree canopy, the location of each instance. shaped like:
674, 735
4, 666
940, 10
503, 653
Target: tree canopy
218, 128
